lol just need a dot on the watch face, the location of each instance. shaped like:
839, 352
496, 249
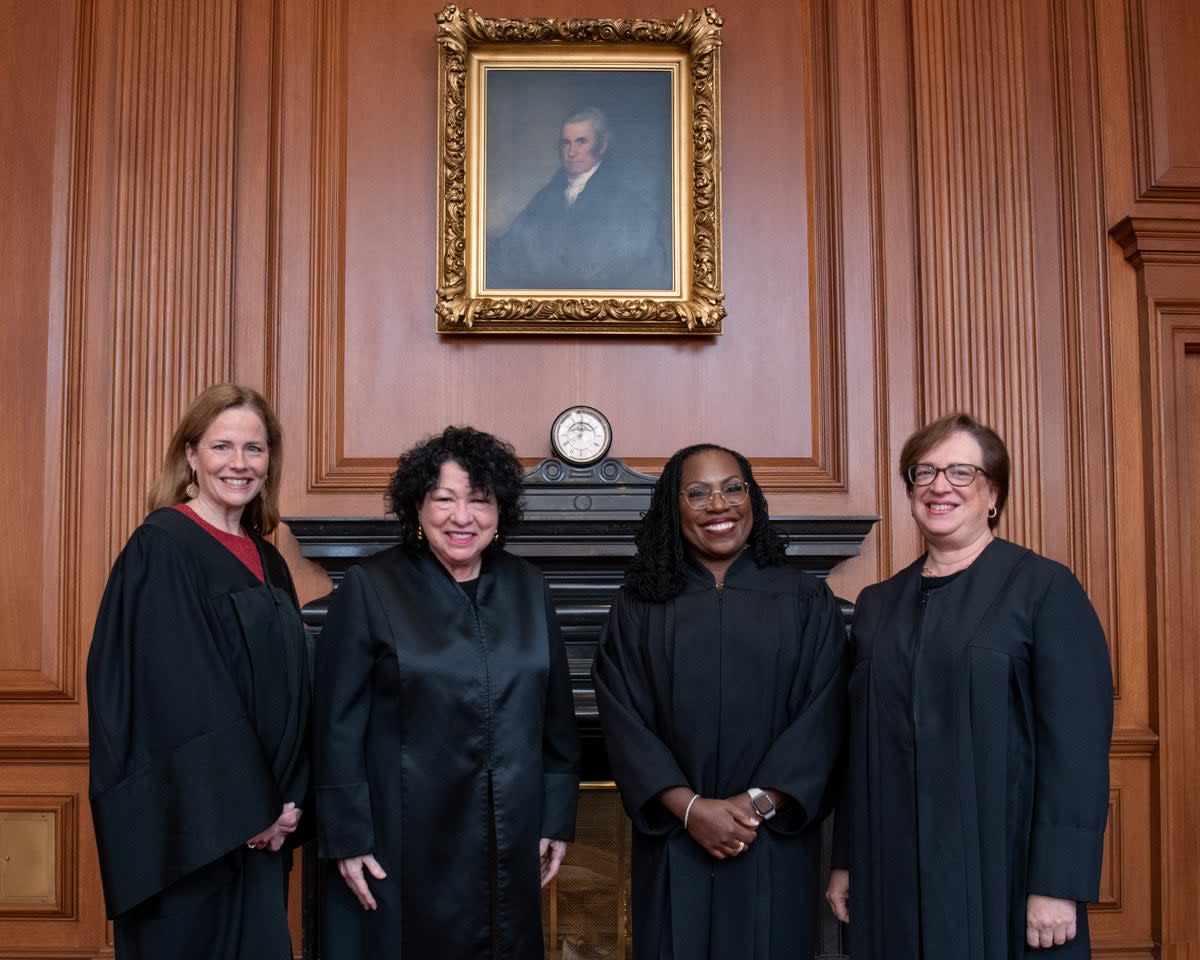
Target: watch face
581, 435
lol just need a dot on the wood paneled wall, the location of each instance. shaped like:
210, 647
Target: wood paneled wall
927, 204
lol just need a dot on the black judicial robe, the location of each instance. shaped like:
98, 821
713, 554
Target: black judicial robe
198, 699
721, 691
978, 772
446, 747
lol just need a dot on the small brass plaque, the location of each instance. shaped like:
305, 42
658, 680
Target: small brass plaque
28, 858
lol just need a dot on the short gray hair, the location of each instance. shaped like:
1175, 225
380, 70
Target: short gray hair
595, 116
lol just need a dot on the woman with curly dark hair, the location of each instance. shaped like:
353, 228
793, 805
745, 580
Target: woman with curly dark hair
721, 686
446, 750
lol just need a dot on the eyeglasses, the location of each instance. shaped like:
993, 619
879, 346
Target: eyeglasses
734, 494
959, 474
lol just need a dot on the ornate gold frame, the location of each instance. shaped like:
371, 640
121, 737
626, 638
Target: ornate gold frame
695, 304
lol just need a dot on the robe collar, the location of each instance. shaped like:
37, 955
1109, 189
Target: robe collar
699, 577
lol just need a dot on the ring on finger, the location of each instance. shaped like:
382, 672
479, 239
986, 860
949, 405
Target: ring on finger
741, 846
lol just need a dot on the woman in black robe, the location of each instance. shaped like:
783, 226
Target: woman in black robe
720, 681
445, 740
198, 701
981, 713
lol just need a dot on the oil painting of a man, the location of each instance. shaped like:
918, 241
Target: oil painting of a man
601, 222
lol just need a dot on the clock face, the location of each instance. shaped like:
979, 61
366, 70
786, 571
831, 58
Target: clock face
581, 435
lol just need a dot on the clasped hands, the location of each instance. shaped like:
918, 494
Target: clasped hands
274, 836
725, 827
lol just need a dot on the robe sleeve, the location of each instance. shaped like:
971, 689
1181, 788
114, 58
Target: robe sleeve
643, 765
297, 788
802, 760
342, 709
1072, 696
560, 740
179, 776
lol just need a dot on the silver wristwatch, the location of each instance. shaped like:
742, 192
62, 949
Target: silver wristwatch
762, 803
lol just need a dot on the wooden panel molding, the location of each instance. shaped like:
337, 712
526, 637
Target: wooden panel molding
1166, 255
42, 620
1122, 921
1159, 240
1176, 485
1110, 875
38, 839
331, 469
173, 234
1164, 43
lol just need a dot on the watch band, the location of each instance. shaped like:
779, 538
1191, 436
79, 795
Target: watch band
762, 803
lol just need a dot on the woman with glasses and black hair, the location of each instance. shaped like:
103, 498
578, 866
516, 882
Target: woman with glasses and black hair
973, 816
720, 681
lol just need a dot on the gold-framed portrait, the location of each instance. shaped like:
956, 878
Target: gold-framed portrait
579, 181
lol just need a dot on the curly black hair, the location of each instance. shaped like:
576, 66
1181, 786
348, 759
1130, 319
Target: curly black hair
491, 465
657, 572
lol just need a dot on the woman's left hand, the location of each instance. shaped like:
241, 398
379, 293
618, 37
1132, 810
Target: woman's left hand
274, 836
1049, 922
551, 853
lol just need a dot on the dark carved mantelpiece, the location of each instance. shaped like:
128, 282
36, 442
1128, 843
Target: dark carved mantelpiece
579, 528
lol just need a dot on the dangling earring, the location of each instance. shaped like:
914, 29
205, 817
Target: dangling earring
191, 489
420, 533
496, 537
992, 512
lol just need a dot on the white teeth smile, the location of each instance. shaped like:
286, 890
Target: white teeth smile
235, 481
940, 507
723, 527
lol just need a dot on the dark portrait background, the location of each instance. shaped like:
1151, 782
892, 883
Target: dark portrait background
525, 111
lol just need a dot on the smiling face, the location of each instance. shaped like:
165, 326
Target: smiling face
580, 148
230, 460
953, 517
458, 522
717, 533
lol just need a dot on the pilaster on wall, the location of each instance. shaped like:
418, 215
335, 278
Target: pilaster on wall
1166, 255
173, 244
979, 323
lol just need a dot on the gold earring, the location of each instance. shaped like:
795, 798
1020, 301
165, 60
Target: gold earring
191, 489
992, 512
420, 533
496, 537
